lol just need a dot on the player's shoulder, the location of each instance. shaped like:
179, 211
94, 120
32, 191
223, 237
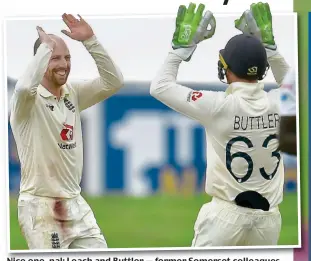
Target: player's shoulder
200, 95
69, 86
70, 89
206, 99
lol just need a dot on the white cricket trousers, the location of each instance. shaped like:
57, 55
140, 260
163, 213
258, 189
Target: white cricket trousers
48, 223
222, 223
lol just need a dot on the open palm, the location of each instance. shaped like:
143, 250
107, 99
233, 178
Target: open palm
45, 38
80, 30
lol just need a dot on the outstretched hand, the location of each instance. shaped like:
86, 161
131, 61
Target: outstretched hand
45, 38
80, 30
191, 28
258, 22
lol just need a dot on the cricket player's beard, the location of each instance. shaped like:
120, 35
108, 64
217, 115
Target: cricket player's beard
59, 78
56, 78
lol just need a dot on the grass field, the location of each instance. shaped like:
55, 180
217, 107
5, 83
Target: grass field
158, 221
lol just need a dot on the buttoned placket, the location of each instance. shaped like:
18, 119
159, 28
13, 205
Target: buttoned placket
61, 107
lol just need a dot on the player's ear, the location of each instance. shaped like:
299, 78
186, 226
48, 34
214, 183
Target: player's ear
229, 75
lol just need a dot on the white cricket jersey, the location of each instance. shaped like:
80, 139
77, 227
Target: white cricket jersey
241, 129
288, 94
48, 132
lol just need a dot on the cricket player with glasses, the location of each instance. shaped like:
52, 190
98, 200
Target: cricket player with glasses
46, 123
245, 171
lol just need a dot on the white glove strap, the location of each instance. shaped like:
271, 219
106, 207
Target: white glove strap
271, 53
184, 53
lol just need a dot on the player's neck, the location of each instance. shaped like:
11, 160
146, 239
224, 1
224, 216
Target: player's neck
244, 80
52, 88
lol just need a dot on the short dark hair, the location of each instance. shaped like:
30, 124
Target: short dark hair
37, 44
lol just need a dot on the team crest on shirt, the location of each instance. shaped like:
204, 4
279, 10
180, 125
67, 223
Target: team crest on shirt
67, 133
194, 95
55, 240
50, 106
69, 105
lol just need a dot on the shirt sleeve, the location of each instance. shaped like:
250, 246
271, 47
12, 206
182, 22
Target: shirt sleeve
110, 78
24, 95
279, 66
198, 105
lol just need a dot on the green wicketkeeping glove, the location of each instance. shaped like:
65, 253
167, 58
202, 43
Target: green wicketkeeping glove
191, 28
258, 22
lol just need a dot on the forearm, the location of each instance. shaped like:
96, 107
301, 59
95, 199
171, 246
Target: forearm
26, 87
110, 75
278, 65
166, 77
32, 77
178, 97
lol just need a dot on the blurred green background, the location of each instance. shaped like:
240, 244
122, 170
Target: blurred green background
302, 7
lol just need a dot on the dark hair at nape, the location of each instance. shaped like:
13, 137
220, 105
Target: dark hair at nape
37, 44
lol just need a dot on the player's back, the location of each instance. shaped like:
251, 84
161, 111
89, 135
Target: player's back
242, 145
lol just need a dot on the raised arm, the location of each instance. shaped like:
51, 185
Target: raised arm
191, 29
110, 78
258, 22
25, 91
198, 105
278, 65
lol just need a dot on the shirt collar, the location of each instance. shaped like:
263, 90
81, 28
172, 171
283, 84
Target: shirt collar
46, 94
251, 90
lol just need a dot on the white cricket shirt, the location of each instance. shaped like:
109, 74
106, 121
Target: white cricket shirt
47, 131
241, 129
